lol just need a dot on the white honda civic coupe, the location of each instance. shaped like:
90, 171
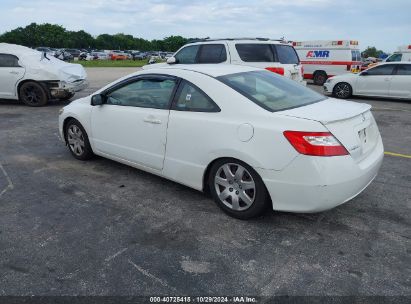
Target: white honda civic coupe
248, 136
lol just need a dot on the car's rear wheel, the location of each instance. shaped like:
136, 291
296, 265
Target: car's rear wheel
33, 94
237, 189
342, 90
77, 140
320, 78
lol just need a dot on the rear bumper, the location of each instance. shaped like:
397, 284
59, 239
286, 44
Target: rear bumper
314, 184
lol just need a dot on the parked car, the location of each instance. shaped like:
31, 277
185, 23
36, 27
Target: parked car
391, 80
35, 78
100, 55
247, 135
118, 56
275, 56
73, 52
63, 55
46, 50
139, 55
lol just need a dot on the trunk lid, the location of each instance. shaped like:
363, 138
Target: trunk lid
350, 122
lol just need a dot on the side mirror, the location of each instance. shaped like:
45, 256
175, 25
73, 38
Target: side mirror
98, 100
171, 60
364, 73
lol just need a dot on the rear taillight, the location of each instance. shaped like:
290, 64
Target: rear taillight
315, 143
276, 70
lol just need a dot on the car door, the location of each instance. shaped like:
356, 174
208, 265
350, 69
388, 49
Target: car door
132, 124
375, 81
187, 55
401, 81
10, 73
194, 120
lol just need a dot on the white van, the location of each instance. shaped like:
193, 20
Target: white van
322, 59
402, 54
273, 55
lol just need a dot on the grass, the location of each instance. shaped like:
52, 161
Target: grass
112, 63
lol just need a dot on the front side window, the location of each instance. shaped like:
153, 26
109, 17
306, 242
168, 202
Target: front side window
271, 92
254, 52
381, 70
191, 98
212, 53
187, 55
8, 61
286, 54
404, 69
394, 58
144, 93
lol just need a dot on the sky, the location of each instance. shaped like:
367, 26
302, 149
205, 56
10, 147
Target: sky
380, 23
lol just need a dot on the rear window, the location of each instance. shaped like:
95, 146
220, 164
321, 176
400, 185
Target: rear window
212, 53
286, 54
254, 52
356, 55
270, 91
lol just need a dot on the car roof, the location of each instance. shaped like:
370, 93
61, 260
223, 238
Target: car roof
17, 50
239, 40
213, 70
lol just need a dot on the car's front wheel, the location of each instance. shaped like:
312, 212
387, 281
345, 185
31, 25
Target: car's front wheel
77, 140
342, 90
237, 189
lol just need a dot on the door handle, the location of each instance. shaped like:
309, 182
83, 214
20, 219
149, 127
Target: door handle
152, 120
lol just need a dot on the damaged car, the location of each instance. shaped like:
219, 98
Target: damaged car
36, 78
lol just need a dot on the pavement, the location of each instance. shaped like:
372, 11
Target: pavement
102, 228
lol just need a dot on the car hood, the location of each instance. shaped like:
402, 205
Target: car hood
155, 65
344, 76
51, 68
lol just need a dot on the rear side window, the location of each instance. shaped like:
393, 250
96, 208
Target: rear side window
191, 98
404, 69
286, 54
254, 52
270, 91
212, 53
187, 55
381, 70
8, 61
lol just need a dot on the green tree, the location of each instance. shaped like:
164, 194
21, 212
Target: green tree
371, 51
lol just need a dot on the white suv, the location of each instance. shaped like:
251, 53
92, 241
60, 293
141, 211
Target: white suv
276, 56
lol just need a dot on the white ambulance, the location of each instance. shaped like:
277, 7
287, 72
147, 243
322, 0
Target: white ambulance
402, 54
322, 59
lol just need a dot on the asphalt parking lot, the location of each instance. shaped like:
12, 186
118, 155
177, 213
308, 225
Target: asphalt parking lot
102, 228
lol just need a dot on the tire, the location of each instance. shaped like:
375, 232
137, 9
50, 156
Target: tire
77, 140
342, 90
320, 78
231, 195
33, 94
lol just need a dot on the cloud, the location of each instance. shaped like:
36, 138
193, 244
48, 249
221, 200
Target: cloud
372, 22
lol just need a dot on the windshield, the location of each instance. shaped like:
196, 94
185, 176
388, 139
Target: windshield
271, 92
